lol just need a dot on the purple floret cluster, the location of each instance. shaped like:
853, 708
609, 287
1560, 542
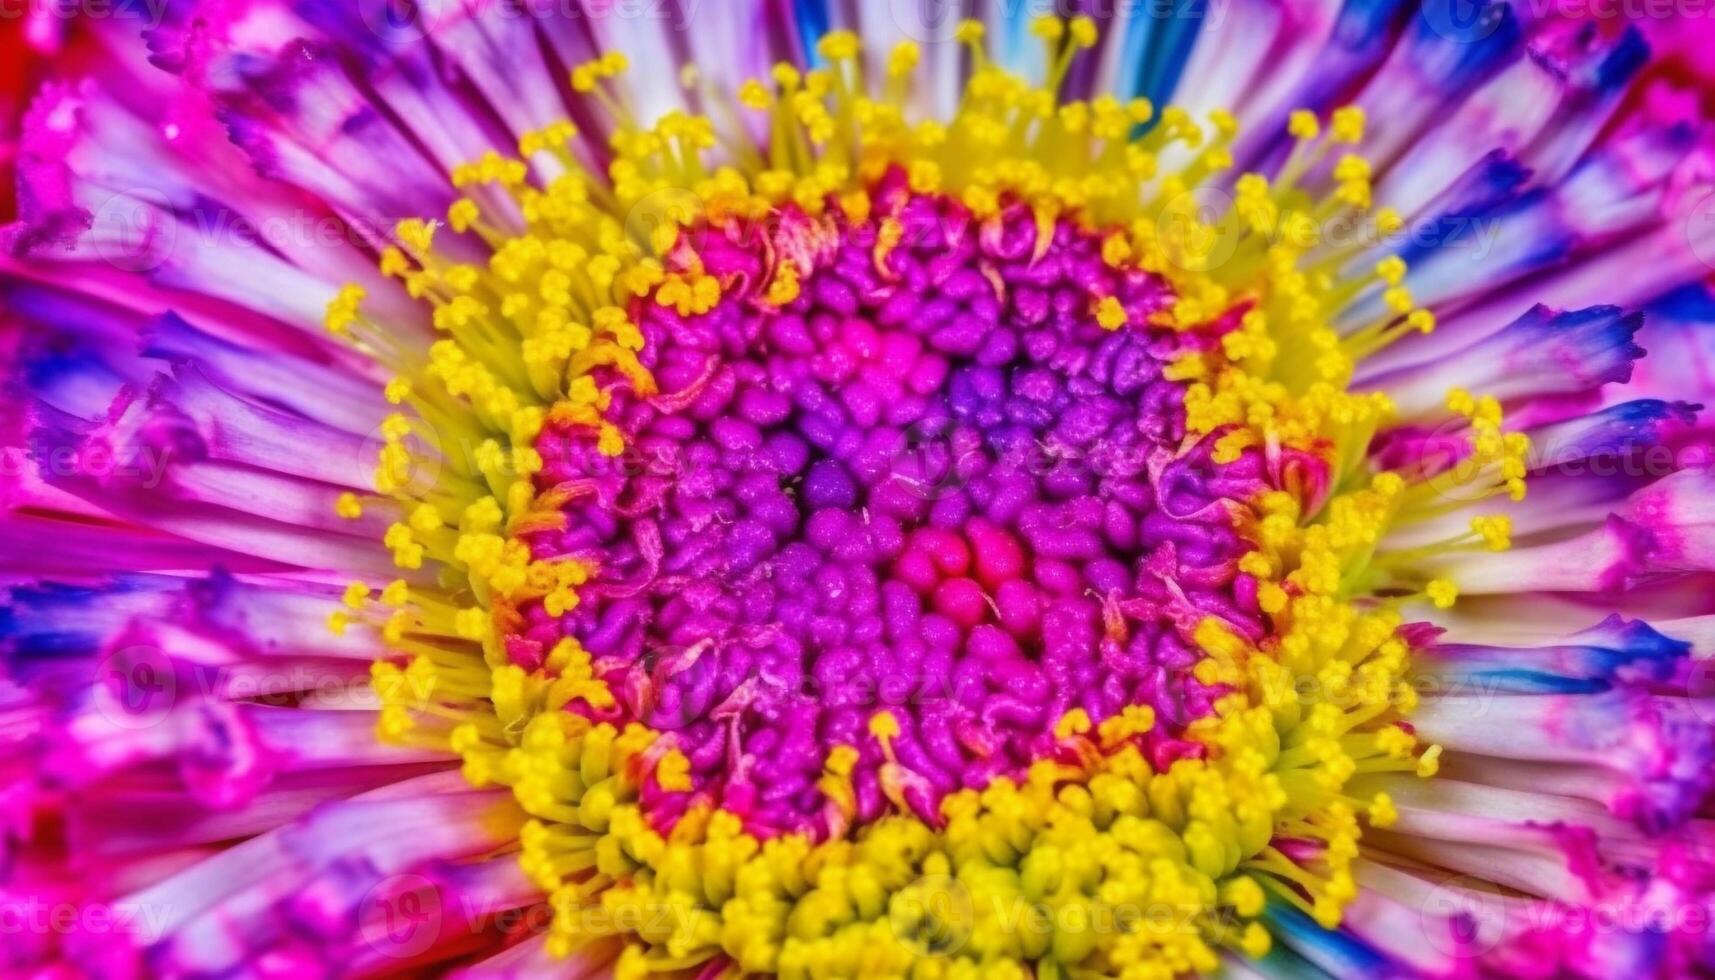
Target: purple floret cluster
931, 484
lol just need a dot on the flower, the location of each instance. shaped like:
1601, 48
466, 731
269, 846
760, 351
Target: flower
533, 490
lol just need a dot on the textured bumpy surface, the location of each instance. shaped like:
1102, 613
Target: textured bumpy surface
806, 492
932, 476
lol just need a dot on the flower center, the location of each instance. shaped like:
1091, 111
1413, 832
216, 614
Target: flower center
918, 476
920, 504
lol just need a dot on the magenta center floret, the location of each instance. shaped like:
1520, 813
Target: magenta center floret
932, 484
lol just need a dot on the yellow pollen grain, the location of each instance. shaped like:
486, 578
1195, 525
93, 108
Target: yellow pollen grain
1110, 314
348, 506
1442, 593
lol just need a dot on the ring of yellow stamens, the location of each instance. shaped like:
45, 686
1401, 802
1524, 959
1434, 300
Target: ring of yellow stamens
518, 340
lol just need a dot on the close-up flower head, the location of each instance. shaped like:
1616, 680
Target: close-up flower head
717, 489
